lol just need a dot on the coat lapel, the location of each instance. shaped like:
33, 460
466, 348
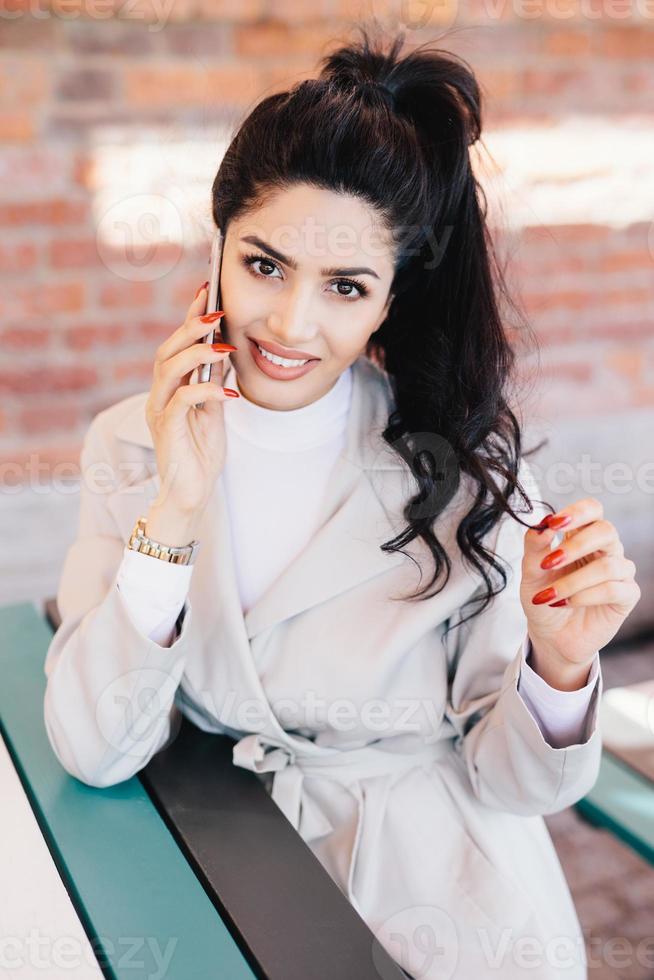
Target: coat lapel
367, 490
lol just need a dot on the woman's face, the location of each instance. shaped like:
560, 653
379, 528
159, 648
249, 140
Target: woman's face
313, 280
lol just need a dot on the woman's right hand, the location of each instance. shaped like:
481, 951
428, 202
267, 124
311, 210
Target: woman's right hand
189, 442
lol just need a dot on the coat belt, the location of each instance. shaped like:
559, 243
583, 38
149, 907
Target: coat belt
348, 766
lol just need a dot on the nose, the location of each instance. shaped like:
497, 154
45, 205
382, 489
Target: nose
293, 323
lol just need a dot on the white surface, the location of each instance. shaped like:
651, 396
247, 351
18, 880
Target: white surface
40, 933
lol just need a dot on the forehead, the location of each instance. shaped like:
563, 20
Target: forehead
313, 224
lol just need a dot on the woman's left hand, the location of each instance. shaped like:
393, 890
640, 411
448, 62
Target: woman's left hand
586, 590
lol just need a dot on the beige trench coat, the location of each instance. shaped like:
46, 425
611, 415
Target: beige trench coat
413, 770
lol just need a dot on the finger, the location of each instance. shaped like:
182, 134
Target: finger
599, 536
615, 592
175, 369
190, 395
539, 537
594, 573
193, 328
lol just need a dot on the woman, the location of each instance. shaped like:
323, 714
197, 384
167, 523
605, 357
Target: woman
470, 711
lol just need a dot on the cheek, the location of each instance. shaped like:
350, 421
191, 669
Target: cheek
239, 300
347, 337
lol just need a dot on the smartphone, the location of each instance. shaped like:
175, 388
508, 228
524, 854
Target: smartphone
213, 301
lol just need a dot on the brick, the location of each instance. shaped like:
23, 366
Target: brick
73, 122
568, 43
139, 369
92, 336
234, 83
566, 233
625, 259
21, 257
279, 78
195, 39
16, 127
121, 39
236, 11
584, 299
126, 294
47, 379
568, 371
85, 84
158, 16
498, 83
84, 170
155, 331
141, 261
639, 81
18, 468
626, 42
73, 253
50, 298
632, 331
24, 82
49, 418
572, 299
644, 396
47, 212
29, 33
550, 81
25, 339
277, 39
628, 363
24, 168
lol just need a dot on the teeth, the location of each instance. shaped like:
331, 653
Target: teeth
283, 361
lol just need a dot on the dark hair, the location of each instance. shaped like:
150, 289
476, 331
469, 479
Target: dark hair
396, 132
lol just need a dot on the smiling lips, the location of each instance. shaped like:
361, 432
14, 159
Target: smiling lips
295, 355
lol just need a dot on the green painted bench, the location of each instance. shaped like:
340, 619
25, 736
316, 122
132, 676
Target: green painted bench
188, 862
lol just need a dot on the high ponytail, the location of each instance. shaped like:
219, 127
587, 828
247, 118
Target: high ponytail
396, 131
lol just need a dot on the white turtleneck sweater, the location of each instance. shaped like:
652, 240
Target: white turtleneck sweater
291, 454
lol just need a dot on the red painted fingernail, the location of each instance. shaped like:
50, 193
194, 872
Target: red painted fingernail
545, 595
557, 522
561, 602
211, 317
555, 558
203, 286
223, 347
231, 393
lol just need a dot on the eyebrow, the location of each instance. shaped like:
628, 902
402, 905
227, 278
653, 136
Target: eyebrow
355, 271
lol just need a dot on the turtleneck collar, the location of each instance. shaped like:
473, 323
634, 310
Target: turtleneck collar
294, 430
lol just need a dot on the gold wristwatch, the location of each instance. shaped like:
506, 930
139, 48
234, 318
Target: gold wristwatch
139, 541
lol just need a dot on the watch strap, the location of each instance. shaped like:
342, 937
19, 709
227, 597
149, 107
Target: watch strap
176, 555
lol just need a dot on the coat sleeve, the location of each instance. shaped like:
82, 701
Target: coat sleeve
510, 764
109, 702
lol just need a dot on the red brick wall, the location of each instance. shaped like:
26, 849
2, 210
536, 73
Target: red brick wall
77, 335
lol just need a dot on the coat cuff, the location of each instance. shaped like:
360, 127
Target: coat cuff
562, 716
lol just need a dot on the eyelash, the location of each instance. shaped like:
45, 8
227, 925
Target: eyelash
249, 260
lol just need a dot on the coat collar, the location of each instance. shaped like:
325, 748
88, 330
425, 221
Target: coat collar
364, 499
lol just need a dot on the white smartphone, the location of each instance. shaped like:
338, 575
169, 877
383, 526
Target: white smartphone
213, 301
